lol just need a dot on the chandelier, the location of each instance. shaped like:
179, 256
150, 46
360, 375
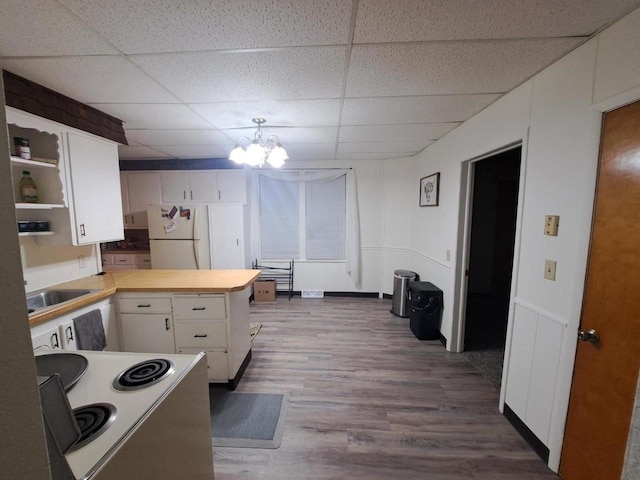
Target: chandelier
258, 152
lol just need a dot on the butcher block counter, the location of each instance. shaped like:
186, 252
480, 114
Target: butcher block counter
181, 281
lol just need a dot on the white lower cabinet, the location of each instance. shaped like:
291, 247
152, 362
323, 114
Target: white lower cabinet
201, 325
214, 323
148, 333
60, 332
146, 323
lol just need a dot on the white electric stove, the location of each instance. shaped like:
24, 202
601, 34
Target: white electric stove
135, 415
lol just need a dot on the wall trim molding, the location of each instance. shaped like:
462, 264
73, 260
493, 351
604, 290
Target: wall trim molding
446, 266
539, 311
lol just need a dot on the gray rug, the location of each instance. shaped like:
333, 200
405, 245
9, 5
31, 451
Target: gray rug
249, 420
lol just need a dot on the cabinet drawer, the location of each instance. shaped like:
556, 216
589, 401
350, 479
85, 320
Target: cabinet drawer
143, 260
144, 305
199, 307
217, 362
201, 334
107, 259
123, 260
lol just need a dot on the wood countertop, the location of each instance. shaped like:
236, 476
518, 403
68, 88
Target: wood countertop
102, 286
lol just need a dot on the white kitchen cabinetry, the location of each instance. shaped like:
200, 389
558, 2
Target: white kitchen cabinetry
79, 193
204, 186
60, 332
146, 324
48, 339
95, 184
139, 189
201, 325
125, 261
216, 323
229, 242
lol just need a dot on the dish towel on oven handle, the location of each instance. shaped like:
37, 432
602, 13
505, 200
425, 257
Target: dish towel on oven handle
90, 331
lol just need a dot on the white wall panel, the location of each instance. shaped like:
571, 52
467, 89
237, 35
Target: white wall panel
525, 324
544, 371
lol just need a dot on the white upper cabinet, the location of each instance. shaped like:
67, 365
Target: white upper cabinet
208, 186
140, 189
232, 186
95, 184
76, 175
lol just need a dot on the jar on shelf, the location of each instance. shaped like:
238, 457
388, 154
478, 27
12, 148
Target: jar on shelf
28, 190
22, 147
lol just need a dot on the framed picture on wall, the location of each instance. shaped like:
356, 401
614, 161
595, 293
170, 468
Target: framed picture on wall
430, 190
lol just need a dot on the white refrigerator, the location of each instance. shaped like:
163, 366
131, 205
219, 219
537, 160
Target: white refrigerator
179, 236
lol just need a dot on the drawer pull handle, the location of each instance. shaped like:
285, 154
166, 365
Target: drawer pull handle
199, 308
166, 324
148, 305
124, 260
200, 336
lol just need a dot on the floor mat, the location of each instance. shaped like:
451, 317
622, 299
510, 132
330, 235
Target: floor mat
249, 420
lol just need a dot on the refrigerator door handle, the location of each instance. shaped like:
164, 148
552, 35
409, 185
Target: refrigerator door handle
196, 225
196, 253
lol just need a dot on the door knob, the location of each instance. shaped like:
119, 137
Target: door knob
589, 336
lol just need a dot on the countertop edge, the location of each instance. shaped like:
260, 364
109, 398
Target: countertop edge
112, 288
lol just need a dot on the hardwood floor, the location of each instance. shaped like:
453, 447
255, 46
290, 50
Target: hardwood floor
370, 401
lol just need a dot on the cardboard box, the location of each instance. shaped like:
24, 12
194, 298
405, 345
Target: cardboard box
264, 291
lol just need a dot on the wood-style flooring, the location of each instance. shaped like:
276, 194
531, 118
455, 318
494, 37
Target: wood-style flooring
370, 401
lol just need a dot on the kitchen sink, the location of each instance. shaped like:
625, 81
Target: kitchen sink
48, 298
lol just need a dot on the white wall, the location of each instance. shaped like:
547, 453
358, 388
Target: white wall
44, 266
555, 118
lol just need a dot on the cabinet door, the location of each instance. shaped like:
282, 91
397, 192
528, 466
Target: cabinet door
232, 186
95, 181
202, 187
47, 340
68, 336
174, 187
227, 236
144, 189
151, 333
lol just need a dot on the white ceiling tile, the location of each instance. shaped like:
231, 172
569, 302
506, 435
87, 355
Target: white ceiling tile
372, 156
155, 116
427, 109
310, 155
33, 27
286, 74
134, 152
94, 79
395, 133
195, 151
288, 113
449, 67
382, 147
148, 26
291, 135
179, 137
322, 149
423, 20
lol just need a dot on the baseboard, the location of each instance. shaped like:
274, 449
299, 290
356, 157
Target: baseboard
233, 382
351, 294
530, 437
388, 296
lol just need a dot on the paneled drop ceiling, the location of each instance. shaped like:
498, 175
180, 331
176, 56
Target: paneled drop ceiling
335, 79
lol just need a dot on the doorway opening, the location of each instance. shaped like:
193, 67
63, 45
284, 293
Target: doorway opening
490, 266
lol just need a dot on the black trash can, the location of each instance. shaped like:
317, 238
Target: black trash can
425, 310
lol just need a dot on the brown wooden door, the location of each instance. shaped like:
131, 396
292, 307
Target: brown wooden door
606, 374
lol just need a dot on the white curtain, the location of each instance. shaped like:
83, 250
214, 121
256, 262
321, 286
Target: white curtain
352, 247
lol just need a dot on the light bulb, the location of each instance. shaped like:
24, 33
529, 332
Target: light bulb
256, 154
238, 155
277, 156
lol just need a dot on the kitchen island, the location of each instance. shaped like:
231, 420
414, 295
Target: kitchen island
174, 311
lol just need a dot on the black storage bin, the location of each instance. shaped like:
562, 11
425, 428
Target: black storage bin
425, 310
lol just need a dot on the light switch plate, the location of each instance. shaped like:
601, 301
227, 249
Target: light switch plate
550, 270
551, 223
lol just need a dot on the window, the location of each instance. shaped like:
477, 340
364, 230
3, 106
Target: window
302, 219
